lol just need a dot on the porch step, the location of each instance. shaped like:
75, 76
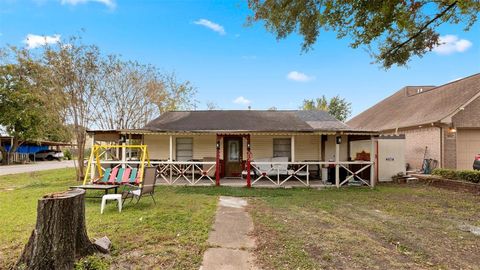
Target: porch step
412, 179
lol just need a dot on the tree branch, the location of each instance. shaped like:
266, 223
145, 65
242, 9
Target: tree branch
439, 15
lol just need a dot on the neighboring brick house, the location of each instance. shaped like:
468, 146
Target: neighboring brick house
445, 120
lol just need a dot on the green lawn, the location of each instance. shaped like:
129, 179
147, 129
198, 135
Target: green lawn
390, 227
169, 235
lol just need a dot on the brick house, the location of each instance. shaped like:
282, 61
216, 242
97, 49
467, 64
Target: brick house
441, 123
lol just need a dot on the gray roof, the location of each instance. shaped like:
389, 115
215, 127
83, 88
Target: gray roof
246, 120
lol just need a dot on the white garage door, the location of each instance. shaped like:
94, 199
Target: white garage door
468, 145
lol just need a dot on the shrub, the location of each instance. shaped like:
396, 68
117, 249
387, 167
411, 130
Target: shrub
67, 154
91, 263
463, 175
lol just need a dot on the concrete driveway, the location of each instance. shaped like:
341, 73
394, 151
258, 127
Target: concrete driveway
35, 167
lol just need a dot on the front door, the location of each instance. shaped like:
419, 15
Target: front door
233, 156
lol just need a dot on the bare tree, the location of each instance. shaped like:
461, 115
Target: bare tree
123, 94
174, 94
211, 105
131, 94
75, 68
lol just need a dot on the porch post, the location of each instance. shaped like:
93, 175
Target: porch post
217, 161
92, 166
249, 180
292, 145
337, 160
170, 156
373, 157
124, 152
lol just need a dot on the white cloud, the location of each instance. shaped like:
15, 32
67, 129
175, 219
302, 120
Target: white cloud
35, 41
211, 25
299, 76
241, 100
109, 3
450, 44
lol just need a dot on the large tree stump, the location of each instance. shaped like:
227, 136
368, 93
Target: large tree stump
60, 236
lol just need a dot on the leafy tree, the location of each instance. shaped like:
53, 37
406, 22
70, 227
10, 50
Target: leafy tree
392, 30
28, 110
339, 107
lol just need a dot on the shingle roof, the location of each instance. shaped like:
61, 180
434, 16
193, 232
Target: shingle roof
413, 106
246, 120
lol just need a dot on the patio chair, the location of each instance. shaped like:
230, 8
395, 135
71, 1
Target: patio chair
261, 169
147, 187
281, 169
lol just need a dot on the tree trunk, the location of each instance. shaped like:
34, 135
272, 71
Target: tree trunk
81, 154
60, 236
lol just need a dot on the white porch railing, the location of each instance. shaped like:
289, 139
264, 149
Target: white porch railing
279, 173
190, 171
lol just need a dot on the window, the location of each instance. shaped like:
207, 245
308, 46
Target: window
282, 148
184, 148
233, 150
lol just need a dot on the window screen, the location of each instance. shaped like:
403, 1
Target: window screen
184, 148
282, 148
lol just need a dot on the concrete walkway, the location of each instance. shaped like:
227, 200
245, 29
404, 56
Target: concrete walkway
230, 238
34, 167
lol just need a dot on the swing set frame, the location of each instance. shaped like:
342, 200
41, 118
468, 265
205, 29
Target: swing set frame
100, 150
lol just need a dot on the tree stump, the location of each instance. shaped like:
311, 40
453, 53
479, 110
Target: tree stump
60, 236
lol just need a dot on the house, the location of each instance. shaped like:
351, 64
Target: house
439, 122
218, 146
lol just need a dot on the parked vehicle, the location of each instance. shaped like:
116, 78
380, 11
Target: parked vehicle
476, 162
49, 154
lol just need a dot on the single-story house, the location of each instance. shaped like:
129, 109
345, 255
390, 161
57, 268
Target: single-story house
441, 123
218, 146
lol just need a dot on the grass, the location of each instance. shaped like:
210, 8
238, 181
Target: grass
169, 235
390, 227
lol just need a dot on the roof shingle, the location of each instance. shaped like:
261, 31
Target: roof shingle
243, 120
407, 107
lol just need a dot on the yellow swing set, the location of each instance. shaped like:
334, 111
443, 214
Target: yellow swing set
99, 151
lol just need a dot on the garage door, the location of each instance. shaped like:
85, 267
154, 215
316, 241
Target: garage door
468, 145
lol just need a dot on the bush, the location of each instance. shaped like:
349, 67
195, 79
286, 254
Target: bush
463, 175
67, 154
91, 263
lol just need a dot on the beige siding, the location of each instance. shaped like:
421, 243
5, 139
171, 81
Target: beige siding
468, 145
204, 146
307, 147
157, 145
262, 146
330, 148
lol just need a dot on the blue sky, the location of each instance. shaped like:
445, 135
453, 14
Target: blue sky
232, 65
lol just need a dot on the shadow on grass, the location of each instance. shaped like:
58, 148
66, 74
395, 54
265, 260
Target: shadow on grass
238, 191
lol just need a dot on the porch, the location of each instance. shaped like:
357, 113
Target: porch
251, 159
